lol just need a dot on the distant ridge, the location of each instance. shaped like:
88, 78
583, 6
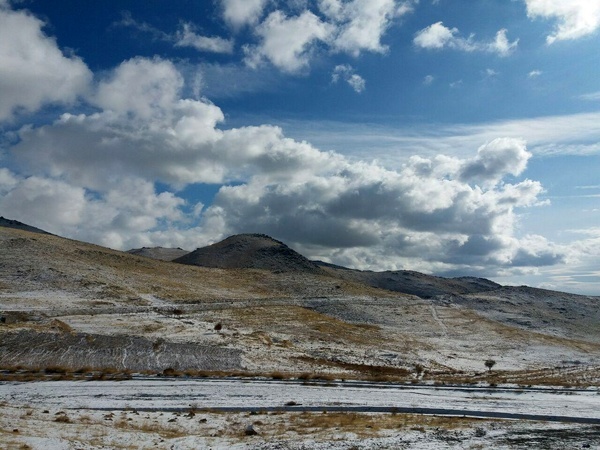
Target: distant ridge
161, 253
8, 223
250, 251
411, 282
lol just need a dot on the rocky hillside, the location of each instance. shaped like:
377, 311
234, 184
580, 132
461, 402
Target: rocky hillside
261, 307
414, 283
250, 251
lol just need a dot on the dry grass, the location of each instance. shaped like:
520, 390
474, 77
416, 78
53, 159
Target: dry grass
110, 274
306, 324
352, 371
365, 424
559, 376
61, 373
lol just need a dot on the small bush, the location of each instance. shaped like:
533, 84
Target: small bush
55, 369
62, 418
170, 372
489, 363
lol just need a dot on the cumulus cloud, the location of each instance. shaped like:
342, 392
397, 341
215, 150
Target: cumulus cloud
351, 27
437, 36
145, 129
346, 73
33, 70
576, 18
362, 23
287, 42
93, 176
495, 160
238, 13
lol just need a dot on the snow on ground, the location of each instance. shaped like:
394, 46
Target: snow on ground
34, 426
166, 393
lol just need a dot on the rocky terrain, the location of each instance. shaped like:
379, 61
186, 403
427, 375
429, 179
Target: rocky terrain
410, 282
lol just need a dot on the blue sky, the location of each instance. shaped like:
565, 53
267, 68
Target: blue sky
450, 137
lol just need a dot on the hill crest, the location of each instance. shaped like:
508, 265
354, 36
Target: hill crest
250, 251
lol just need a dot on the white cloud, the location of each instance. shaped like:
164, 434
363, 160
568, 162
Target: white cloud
7, 181
428, 80
534, 73
45, 202
592, 96
351, 27
346, 73
33, 70
496, 159
287, 42
242, 12
186, 37
576, 18
140, 86
437, 36
362, 23
501, 45
146, 130
118, 218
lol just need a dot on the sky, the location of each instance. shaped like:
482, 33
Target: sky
451, 137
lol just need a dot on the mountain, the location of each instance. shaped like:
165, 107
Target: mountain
8, 223
160, 253
250, 251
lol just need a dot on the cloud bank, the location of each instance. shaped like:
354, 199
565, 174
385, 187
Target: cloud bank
93, 176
